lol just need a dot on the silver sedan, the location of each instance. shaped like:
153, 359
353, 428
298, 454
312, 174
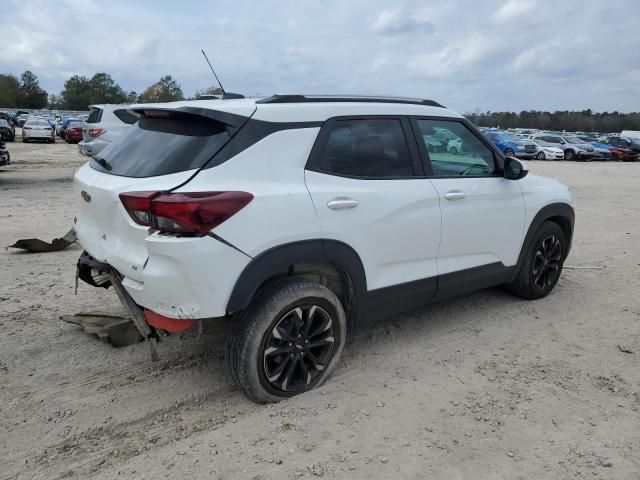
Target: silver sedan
38, 129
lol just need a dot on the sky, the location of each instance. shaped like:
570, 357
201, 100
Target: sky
466, 54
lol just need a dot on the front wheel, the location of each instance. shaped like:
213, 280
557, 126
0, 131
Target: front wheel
569, 155
288, 342
542, 264
541, 156
453, 151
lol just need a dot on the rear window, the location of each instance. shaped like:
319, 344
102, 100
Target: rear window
40, 123
95, 115
161, 146
126, 115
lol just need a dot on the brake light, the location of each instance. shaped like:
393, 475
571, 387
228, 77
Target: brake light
96, 132
196, 212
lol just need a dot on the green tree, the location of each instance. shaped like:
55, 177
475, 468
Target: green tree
31, 95
165, 90
105, 90
9, 91
208, 91
76, 94
133, 97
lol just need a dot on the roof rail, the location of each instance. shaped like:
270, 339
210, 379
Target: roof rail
345, 98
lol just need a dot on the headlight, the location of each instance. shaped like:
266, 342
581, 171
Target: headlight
519, 147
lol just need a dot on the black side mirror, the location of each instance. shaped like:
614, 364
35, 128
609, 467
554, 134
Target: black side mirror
514, 169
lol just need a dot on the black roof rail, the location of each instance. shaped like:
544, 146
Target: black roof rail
345, 98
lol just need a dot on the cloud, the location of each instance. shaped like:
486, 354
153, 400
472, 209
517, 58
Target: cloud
493, 55
397, 22
513, 9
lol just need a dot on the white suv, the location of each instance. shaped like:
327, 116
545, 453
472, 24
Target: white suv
303, 217
105, 124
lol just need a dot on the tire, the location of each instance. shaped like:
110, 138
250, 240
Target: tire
541, 156
267, 324
453, 150
548, 245
508, 152
569, 155
24, 140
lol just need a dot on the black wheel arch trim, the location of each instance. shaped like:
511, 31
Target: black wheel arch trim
277, 260
548, 212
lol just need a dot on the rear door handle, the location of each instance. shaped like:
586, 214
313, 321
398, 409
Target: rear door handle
341, 203
455, 195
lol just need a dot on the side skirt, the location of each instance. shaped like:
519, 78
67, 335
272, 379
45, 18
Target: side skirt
385, 302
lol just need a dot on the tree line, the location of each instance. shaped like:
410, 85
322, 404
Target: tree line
80, 91
584, 121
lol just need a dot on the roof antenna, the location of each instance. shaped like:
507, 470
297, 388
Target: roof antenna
214, 72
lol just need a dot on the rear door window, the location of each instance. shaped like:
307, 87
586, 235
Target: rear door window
162, 146
366, 148
95, 115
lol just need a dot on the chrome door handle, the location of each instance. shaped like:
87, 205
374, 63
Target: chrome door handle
455, 195
341, 203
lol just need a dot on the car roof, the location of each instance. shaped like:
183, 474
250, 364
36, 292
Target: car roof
312, 109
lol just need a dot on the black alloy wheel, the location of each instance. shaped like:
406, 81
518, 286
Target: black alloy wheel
298, 348
547, 262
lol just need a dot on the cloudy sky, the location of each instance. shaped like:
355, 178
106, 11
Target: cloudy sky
467, 54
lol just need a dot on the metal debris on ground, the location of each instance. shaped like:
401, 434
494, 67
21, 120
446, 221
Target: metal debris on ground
35, 245
118, 331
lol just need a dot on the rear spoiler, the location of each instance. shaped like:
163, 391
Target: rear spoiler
232, 120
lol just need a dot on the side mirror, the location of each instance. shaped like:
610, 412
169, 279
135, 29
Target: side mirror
514, 169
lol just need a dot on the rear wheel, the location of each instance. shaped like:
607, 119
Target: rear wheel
542, 264
508, 152
453, 150
288, 341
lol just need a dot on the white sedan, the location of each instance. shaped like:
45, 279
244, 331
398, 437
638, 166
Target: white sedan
546, 150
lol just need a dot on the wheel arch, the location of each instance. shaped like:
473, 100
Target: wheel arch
559, 213
326, 258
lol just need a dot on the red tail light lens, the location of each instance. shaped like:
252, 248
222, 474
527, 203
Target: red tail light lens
195, 213
96, 132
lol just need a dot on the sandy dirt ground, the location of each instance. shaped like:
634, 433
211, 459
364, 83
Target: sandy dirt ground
484, 387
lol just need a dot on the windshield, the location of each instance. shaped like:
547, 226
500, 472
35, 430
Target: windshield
542, 143
573, 140
161, 146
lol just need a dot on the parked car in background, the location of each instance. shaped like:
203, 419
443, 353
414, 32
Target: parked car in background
7, 131
511, 145
547, 151
573, 147
73, 132
22, 118
38, 129
632, 144
105, 124
5, 157
65, 124
630, 134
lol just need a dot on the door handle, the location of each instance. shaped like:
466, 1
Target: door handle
455, 195
341, 203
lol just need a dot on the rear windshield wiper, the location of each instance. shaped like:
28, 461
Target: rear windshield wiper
103, 163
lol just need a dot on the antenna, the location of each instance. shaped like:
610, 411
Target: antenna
214, 72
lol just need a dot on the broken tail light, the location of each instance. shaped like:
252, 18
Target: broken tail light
193, 213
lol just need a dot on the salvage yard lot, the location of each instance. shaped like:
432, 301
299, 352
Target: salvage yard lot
488, 386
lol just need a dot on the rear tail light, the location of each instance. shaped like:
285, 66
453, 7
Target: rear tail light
47, 129
194, 213
96, 132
